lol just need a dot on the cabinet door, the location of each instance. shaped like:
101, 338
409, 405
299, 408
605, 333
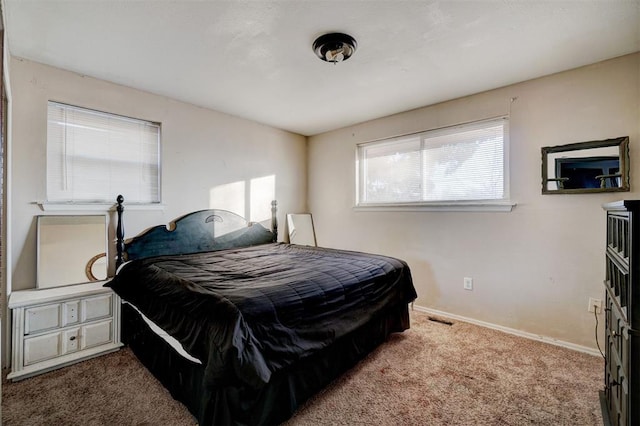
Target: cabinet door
96, 334
41, 318
97, 307
40, 348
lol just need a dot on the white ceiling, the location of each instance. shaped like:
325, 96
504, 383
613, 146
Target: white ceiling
254, 59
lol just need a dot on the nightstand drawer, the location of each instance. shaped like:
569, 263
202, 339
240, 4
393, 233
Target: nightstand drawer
40, 318
97, 307
70, 312
40, 348
70, 340
96, 334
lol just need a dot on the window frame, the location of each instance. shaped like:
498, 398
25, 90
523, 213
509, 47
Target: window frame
503, 204
99, 204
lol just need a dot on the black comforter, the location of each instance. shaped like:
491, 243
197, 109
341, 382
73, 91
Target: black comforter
246, 313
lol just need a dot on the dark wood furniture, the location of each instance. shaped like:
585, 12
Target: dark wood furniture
621, 396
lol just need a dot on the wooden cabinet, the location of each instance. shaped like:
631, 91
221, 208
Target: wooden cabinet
59, 326
621, 396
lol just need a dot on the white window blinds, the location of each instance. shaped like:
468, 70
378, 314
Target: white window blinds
94, 156
461, 163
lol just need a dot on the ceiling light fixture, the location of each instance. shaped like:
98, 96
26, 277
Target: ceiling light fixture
334, 47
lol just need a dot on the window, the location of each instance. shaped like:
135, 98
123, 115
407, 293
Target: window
94, 156
460, 164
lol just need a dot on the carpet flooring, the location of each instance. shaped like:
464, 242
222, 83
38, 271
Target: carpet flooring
433, 374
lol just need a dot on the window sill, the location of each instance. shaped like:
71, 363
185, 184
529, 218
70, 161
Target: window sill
471, 206
93, 207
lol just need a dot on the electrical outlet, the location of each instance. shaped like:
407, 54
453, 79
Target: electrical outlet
595, 304
468, 283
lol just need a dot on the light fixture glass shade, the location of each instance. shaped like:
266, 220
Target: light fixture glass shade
334, 47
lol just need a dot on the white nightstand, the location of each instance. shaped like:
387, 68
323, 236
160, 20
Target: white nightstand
59, 326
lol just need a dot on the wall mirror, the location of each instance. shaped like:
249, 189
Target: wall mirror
301, 229
71, 249
578, 168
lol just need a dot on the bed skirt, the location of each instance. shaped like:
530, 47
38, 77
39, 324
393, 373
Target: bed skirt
271, 404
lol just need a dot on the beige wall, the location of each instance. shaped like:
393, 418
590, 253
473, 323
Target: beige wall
534, 268
209, 159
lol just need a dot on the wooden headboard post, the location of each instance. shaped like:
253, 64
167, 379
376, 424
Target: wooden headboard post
119, 232
274, 220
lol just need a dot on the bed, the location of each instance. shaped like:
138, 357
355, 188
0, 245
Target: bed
242, 329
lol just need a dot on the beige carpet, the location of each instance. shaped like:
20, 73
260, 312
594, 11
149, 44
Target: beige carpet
433, 374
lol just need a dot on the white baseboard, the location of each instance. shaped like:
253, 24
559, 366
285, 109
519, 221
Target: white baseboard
532, 336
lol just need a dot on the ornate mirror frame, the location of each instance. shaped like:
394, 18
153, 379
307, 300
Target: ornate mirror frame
587, 151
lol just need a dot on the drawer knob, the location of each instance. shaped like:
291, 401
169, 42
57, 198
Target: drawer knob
72, 338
